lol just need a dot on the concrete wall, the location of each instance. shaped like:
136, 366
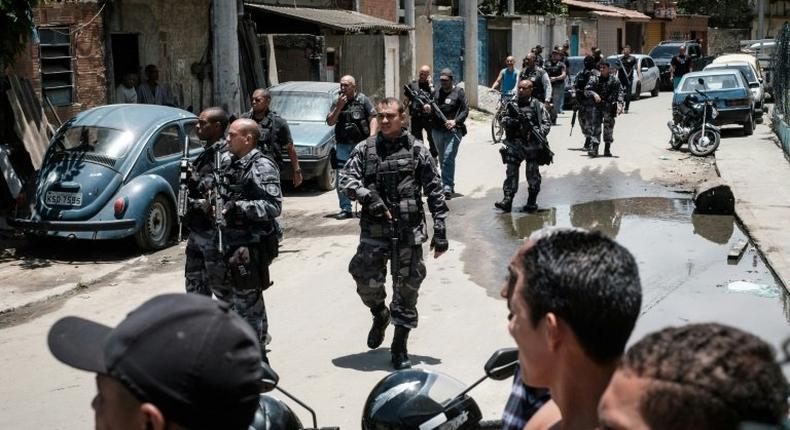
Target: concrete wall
448, 47
723, 41
607, 35
686, 27
531, 30
295, 56
384, 9
87, 50
172, 35
423, 41
368, 73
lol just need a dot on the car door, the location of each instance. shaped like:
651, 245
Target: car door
164, 153
652, 73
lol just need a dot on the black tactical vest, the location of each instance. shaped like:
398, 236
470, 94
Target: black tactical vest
352, 124
237, 188
554, 69
394, 178
535, 76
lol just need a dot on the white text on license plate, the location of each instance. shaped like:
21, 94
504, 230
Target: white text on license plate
59, 198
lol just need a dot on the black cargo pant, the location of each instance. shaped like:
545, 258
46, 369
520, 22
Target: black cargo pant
417, 126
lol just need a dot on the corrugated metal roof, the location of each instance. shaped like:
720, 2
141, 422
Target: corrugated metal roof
338, 19
607, 11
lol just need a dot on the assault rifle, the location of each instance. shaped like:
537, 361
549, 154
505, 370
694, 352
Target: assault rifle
218, 201
424, 100
390, 186
183, 190
573, 119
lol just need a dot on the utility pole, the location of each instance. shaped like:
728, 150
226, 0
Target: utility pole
410, 21
760, 19
511, 7
224, 27
470, 52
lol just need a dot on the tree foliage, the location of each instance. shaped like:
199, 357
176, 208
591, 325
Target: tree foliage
16, 23
723, 13
523, 7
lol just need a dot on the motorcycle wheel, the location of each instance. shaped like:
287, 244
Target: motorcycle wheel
700, 150
497, 131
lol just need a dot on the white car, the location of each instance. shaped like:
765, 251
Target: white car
645, 76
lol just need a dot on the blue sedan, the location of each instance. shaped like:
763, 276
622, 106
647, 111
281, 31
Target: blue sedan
734, 100
305, 106
112, 172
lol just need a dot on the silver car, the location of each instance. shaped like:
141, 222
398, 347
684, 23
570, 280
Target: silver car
645, 75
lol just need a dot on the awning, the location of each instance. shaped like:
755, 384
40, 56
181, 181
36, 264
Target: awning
603, 10
337, 19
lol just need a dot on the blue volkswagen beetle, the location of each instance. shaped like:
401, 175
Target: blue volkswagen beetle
112, 172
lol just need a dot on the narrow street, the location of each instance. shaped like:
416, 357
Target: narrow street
641, 197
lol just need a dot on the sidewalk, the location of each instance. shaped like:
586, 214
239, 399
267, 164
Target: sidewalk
759, 174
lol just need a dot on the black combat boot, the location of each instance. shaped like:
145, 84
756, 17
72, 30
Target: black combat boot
593, 151
381, 319
606, 151
532, 202
506, 204
586, 143
400, 357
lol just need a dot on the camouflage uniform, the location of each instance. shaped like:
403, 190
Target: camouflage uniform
397, 172
611, 93
521, 145
275, 134
204, 264
238, 273
585, 104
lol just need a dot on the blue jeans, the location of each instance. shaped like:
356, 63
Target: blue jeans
342, 152
561, 89
447, 142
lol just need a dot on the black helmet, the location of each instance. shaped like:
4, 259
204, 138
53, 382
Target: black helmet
589, 62
414, 399
273, 414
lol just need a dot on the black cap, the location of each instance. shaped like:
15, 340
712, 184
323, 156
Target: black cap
191, 356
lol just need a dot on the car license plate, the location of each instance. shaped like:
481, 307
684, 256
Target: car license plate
59, 198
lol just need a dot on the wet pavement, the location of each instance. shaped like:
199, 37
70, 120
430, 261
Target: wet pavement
682, 257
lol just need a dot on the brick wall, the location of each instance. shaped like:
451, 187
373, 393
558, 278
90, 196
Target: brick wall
384, 9
87, 49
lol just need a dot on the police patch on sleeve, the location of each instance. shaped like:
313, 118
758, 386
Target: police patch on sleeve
273, 189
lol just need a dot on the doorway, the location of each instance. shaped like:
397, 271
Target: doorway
125, 56
498, 50
574, 42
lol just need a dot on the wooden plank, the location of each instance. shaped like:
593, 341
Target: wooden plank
32, 134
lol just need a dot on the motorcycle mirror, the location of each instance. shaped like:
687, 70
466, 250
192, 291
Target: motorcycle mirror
502, 364
270, 378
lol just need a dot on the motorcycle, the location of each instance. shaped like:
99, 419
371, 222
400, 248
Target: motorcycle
419, 399
694, 124
273, 414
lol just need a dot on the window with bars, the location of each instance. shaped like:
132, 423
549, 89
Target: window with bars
55, 57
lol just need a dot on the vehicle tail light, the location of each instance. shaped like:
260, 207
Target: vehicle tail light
738, 102
119, 206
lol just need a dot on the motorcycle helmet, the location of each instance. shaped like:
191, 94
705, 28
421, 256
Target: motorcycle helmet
414, 399
273, 414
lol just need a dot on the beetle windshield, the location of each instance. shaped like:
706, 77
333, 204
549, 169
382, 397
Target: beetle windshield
301, 106
104, 141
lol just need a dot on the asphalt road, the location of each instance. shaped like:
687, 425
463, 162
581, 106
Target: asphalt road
318, 323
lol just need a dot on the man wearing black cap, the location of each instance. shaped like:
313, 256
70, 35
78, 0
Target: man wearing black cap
451, 100
179, 361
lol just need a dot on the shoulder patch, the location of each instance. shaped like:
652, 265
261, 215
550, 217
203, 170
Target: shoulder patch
273, 189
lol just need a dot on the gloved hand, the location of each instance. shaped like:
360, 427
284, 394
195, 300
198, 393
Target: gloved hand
439, 242
375, 204
202, 205
230, 208
205, 184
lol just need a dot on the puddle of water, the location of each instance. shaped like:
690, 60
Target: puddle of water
682, 259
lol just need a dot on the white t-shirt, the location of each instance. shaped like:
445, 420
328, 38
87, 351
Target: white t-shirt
125, 95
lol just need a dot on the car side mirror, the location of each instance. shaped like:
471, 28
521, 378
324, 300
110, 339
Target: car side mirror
270, 378
701, 81
502, 364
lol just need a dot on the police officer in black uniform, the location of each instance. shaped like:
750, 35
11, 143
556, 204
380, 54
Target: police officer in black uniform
451, 100
522, 121
607, 95
275, 133
557, 72
354, 118
585, 104
626, 74
419, 119
541, 84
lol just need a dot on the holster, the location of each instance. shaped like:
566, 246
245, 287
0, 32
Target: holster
513, 152
245, 266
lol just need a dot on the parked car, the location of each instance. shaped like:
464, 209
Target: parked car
763, 50
733, 99
645, 74
305, 106
576, 65
663, 52
112, 172
755, 84
746, 58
